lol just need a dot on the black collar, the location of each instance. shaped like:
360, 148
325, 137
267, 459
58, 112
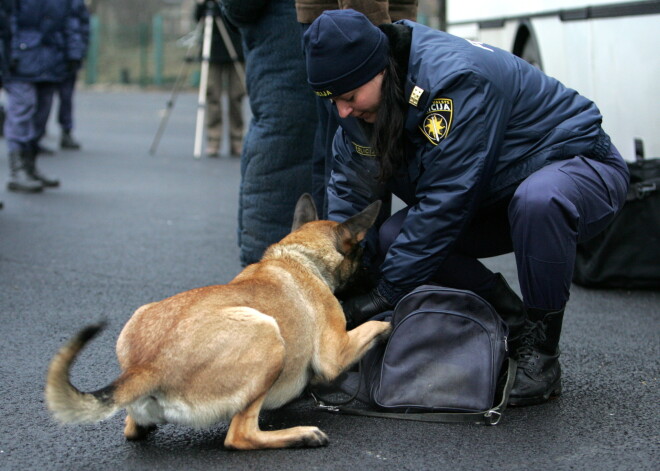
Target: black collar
400, 38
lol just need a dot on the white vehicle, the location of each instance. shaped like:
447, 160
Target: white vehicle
606, 51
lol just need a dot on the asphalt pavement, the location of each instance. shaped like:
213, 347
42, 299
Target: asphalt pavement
127, 228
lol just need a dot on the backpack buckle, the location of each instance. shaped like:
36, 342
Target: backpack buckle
321, 405
493, 417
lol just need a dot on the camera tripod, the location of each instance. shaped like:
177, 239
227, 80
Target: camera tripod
206, 25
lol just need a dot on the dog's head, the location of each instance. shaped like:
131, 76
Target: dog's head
333, 248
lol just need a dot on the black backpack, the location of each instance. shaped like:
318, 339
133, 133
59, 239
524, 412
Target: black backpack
445, 361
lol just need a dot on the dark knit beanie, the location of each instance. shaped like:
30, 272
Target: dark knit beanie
344, 50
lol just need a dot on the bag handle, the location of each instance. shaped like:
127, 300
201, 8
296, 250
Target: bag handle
491, 416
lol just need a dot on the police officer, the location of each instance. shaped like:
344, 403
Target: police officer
45, 43
490, 156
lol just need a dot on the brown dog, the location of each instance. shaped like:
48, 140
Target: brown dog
225, 352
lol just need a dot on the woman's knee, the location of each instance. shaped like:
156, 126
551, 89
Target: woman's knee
545, 195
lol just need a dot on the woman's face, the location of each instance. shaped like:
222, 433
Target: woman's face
362, 102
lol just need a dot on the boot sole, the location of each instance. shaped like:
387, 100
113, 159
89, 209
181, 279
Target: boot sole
553, 393
22, 189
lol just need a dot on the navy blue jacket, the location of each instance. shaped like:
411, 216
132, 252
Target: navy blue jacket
484, 120
5, 36
46, 37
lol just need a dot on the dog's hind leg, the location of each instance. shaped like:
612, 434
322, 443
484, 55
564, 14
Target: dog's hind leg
134, 431
244, 432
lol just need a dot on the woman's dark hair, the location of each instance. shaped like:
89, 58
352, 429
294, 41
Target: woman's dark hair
388, 141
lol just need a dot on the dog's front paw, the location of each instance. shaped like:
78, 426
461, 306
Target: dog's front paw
385, 333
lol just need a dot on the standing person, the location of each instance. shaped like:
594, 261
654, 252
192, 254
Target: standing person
66, 88
490, 155
378, 12
45, 40
5, 39
223, 76
276, 163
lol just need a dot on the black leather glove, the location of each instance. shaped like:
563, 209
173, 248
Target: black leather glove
361, 282
361, 308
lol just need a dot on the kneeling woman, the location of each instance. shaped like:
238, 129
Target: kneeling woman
490, 156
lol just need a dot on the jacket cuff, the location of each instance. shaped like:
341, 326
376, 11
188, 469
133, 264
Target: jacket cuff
390, 292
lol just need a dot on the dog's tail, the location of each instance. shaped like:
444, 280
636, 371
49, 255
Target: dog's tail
70, 405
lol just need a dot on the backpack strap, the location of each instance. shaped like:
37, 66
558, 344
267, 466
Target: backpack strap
491, 416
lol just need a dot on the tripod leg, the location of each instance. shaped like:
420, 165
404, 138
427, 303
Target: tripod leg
168, 109
203, 84
183, 73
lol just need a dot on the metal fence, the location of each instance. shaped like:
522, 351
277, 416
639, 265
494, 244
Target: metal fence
142, 43
143, 53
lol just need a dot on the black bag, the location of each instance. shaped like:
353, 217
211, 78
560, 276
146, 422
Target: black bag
443, 362
627, 253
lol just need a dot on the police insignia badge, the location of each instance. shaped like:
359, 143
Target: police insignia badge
437, 121
363, 150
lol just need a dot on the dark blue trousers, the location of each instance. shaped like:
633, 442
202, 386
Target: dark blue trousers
65, 94
28, 106
550, 212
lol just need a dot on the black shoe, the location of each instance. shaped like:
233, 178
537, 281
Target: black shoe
538, 377
20, 180
68, 142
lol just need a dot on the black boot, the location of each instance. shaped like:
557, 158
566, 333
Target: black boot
68, 142
20, 179
538, 377
31, 167
510, 308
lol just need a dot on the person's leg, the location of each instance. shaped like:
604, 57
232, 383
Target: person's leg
551, 211
235, 93
45, 92
276, 163
65, 91
214, 110
19, 132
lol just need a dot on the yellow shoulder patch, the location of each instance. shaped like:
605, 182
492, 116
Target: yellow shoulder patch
438, 120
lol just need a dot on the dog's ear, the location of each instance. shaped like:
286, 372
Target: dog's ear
355, 228
305, 211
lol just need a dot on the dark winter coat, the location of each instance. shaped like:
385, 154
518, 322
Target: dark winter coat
5, 36
485, 121
81, 14
45, 41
